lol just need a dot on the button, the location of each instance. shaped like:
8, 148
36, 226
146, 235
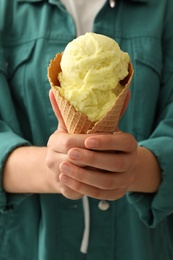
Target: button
103, 205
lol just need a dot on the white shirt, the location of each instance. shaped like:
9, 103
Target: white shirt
83, 13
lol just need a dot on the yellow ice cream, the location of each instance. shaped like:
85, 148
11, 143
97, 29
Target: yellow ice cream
92, 67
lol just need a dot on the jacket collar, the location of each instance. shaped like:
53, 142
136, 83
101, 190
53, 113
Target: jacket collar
139, 1
55, 1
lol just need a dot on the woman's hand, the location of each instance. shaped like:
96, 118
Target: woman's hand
59, 145
57, 152
101, 166
108, 166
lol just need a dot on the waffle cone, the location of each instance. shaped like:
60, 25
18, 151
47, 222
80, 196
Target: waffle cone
75, 121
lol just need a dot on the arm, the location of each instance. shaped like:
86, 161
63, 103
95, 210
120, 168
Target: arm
31, 173
23, 168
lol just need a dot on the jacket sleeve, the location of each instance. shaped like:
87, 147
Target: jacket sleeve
10, 136
153, 208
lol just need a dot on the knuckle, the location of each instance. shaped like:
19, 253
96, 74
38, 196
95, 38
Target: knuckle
49, 162
68, 143
131, 143
51, 140
56, 178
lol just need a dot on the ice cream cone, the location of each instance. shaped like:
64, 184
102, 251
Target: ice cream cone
74, 120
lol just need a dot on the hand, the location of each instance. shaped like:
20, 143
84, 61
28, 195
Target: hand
102, 166
58, 146
101, 171
111, 161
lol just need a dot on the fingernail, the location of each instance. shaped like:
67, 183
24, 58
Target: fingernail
91, 143
74, 154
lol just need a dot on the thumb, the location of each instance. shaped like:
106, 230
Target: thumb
56, 110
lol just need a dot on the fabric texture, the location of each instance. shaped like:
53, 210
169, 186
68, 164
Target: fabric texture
47, 226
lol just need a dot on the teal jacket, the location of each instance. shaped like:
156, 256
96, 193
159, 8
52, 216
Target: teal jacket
48, 226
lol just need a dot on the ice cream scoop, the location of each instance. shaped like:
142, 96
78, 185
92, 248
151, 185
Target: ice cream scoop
92, 67
90, 80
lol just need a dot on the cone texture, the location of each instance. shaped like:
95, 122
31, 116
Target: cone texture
75, 121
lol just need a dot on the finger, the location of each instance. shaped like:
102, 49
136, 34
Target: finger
91, 191
112, 161
119, 141
100, 179
70, 193
61, 124
62, 142
53, 161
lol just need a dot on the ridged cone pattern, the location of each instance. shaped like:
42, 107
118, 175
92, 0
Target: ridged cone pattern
75, 121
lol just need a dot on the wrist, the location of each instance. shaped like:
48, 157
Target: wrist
147, 173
